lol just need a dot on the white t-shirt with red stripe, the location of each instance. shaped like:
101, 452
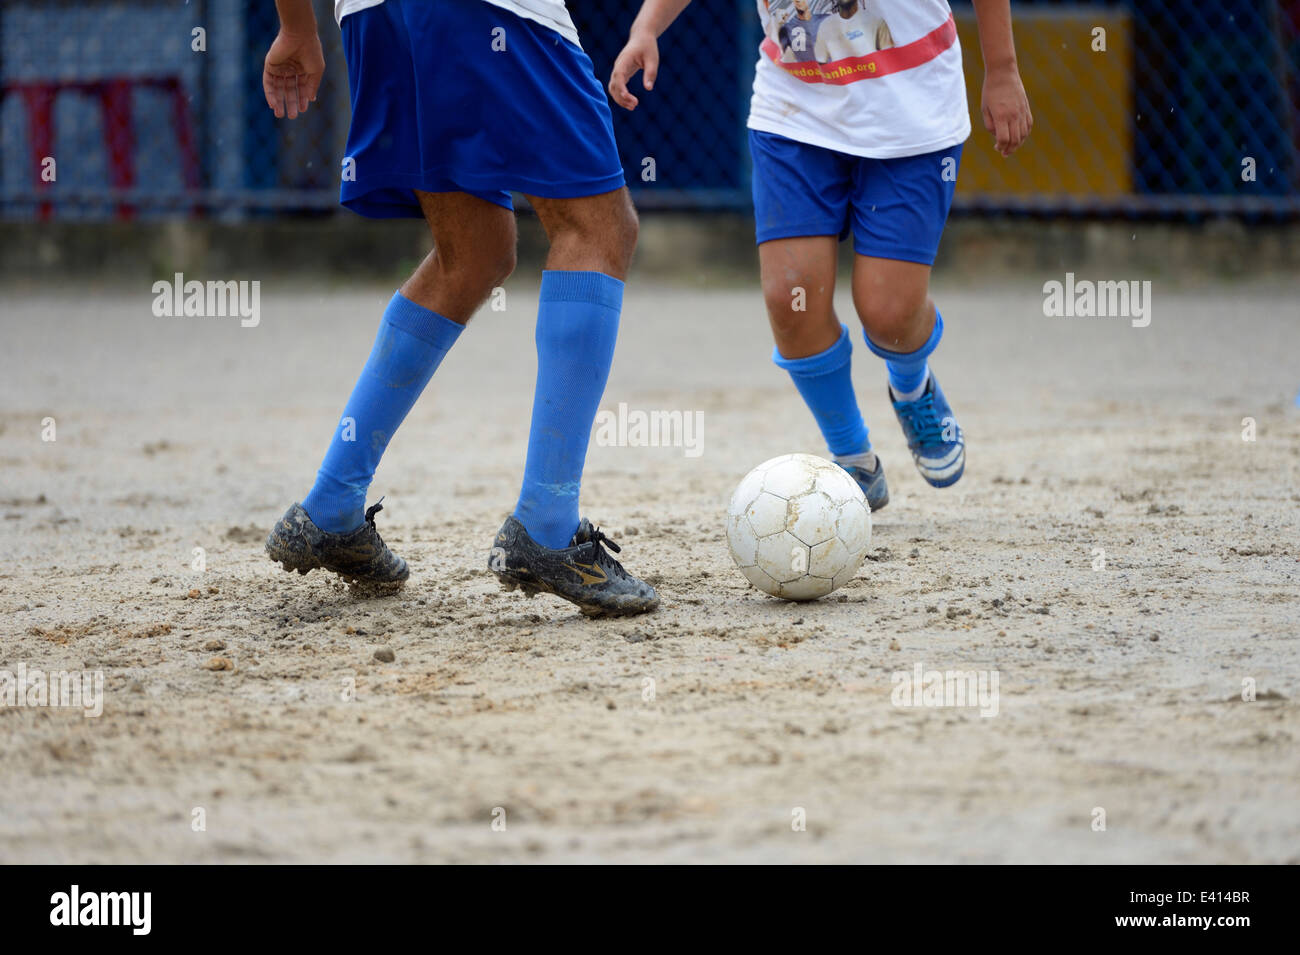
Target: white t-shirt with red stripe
877, 78
549, 13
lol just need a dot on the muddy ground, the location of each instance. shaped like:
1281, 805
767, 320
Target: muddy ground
400, 729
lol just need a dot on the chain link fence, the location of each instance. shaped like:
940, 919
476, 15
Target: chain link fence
151, 109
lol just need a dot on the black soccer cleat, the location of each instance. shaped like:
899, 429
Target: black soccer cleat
584, 572
360, 557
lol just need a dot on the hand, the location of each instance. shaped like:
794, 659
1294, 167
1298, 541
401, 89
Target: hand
291, 74
1006, 110
641, 53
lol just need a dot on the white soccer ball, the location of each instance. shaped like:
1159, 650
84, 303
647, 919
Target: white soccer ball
798, 527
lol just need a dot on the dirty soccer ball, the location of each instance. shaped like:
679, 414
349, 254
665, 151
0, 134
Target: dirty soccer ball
798, 527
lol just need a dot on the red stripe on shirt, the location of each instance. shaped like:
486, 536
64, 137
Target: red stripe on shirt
881, 63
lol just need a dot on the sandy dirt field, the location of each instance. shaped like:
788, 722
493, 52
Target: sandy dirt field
399, 729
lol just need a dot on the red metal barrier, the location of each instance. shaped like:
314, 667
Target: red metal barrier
114, 95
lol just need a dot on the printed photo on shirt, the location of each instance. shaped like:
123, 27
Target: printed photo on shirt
824, 31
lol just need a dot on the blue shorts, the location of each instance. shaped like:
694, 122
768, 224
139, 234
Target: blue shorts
896, 207
436, 108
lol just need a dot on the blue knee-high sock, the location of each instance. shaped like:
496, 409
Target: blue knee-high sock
577, 325
408, 349
826, 383
908, 371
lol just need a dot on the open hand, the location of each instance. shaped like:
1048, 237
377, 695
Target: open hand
291, 74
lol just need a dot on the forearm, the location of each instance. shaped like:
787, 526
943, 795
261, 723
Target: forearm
296, 17
996, 40
656, 16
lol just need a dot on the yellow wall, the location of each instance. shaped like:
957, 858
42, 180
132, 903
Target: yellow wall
1082, 103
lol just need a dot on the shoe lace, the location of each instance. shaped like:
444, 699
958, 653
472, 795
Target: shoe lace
598, 541
372, 510
925, 424
598, 537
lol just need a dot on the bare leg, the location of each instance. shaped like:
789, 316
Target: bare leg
474, 252
893, 302
590, 234
798, 286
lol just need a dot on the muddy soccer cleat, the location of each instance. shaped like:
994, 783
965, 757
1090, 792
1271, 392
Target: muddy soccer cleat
360, 557
935, 439
583, 573
872, 483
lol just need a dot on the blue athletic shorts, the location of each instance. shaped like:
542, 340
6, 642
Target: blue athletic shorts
896, 207
438, 106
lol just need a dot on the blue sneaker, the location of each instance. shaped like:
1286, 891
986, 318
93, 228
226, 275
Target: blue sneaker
872, 483
935, 439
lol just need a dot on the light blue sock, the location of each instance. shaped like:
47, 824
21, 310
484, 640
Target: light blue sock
825, 382
908, 371
577, 325
408, 349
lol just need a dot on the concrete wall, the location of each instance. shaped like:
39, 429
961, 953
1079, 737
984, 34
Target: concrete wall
693, 249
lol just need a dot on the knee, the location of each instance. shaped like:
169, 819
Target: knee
631, 231
476, 272
782, 298
603, 239
625, 229
790, 298
502, 266
894, 321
